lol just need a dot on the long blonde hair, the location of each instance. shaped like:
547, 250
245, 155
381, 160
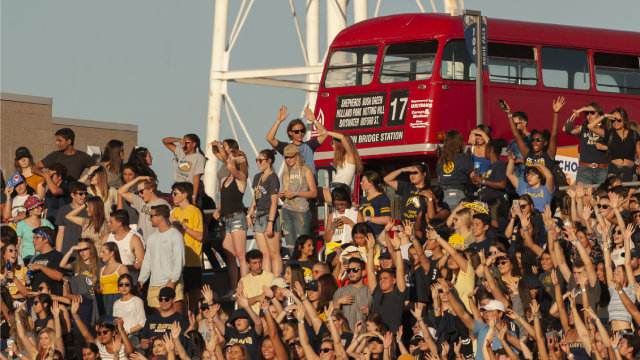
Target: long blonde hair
93, 261
13, 332
102, 190
339, 154
465, 217
244, 167
52, 342
302, 170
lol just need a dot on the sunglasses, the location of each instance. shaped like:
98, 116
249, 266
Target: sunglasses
289, 157
353, 270
616, 120
537, 139
618, 232
413, 173
81, 193
455, 219
124, 284
589, 112
325, 350
603, 206
336, 140
36, 302
175, 194
152, 215
522, 207
299, 131
259, 161
493, 252
104, 332
164, 298
340, 205
503, 262
12, 250
40, 289
85, 249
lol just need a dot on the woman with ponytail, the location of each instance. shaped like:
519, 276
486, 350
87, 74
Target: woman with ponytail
190, 158
263, 212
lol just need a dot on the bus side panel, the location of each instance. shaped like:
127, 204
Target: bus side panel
456, 108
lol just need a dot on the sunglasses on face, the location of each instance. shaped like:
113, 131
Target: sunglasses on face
124, 285
336, 140
503, 262
289, 157
353, 270
537, 139
605, 207
81, 193
41, 288
164, 298
12, 250
299, 131
616, 120
103, 332
522, 207
175, 194
590, 112
455, 219
413, 173
618, 232
340, 205
325, 350
36, 303
152, 215
259, 161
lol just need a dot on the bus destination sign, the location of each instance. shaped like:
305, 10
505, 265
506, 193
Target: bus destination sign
362, 111
377, 137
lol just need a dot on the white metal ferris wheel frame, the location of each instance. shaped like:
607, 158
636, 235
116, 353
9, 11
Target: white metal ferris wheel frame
221, 50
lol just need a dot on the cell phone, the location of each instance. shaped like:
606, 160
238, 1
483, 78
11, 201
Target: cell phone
503, 106
476, 173
516, 203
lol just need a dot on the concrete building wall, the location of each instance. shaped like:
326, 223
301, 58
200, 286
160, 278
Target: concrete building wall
27, 121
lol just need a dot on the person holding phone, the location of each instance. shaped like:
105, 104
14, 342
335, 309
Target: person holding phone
342, 219
592, 163
478, 139
521, 120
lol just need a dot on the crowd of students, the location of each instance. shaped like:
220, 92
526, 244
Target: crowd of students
95, 264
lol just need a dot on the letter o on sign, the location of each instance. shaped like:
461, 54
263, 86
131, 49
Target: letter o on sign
574, 166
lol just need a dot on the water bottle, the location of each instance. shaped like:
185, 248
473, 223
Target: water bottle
8, 269
27, 280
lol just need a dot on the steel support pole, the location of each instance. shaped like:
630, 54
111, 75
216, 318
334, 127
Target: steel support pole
336, 18
313, 51
479, 71
218, 66
359, 10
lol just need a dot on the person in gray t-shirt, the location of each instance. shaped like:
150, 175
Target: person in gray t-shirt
354, 299
146, 197
190, 160
69, 232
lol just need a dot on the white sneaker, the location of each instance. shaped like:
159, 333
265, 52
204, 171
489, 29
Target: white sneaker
231, 294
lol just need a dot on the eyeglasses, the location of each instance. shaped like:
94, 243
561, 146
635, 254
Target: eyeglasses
618, 232
537, 139
503, 262
12, 250
81, 193
302, 131
589, 112
175, 194
493, 252
353, 270
40, 289
124, 285
140, 191
259, 161
518, 123
103, 332
616, 120
605, 207
325, 350
340, 205
164, 298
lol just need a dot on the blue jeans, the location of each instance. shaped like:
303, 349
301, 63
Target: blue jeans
452, 197
587, 175
293, 227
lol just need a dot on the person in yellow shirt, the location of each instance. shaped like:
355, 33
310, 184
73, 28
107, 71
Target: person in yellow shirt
188, 220
251, 284
462, 224
16, 276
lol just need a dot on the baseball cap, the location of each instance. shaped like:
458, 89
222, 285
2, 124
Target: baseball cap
385, 254
531, 281
22, 152
478, 206
291, 150
168, 292
493, 305
32, 202
279, 282
635, 253
313, 285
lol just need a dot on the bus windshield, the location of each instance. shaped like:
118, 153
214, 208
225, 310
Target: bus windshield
351, 67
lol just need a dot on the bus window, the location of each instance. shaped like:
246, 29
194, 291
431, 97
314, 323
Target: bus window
512, 64
351, 67
565, 68
456, 63
408, 61
617, 73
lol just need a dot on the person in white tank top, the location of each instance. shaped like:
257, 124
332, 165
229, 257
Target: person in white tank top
342, 220
129, 242
347, 162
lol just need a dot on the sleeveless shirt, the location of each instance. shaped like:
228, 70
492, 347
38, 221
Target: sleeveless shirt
231, 198
297, 183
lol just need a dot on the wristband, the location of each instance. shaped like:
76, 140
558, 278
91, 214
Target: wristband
598, 213
70, 251
329, 319
574, 242
270, 221
212, 355
398, 249
18, 321
615, 348
570, 356
284, 311
65, 285
265, 311
300, 321
548, 229
536, 317
420, 320
596, 319
412, 238
436, 309
620, 292
525, 230
76, 318
194, 196
356, 339
399, 341
437, 236
303, 299
368, 219
483, 181
606, 249
296, 192
401, 170
510, 115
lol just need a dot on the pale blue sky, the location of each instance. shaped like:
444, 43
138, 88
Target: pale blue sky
147, 62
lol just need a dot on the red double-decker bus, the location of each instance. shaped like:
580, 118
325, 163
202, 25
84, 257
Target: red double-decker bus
393, 83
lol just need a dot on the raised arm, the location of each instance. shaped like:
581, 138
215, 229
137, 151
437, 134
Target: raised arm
564, 319
390, 179
75, 305
371, 275
525, 221
322, 132
309, 353
399, 264
169, 142
73, 215
593, 126
627, 250
553, 143
562, 262
271, 135
539, 336
281, 353
417, 313
514, 131
583, 332
568, 127
461, 260
123, 190
458, 308
513, 179
335, 335
591, 268
547, 174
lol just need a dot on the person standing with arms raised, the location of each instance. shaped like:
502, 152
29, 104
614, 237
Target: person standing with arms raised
191, 161
143, 200
419, 175
296, 131
593, 165
75, 161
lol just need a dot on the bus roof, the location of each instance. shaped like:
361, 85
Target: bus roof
405, 27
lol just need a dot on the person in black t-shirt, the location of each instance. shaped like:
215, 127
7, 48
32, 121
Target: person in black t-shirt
593, 164
46, 265
245, 327
453, 168
158, 324
74, 160
412, 202
494, 181
58, 194
390, 291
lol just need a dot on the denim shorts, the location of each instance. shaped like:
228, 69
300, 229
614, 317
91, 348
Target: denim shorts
236, 223
260, 224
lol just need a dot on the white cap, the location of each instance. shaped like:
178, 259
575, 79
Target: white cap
493, 305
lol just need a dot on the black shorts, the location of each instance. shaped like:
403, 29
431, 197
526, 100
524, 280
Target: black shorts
192, 277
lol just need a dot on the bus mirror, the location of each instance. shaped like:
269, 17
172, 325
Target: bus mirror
440, 135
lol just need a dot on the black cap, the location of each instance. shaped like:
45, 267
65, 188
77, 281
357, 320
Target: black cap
313, 285
22, 152
635, 252
376, 339
168, 292
384, 253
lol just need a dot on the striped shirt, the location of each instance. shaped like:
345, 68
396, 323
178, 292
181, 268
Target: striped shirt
616, 308
352, 312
